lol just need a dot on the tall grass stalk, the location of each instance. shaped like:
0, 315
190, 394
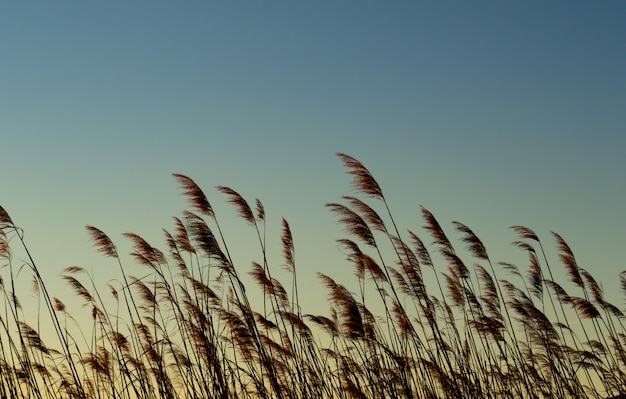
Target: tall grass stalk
426, 317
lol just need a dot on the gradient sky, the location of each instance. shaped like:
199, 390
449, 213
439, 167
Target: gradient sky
491, 113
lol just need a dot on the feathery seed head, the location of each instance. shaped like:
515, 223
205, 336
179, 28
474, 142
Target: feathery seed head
363, 181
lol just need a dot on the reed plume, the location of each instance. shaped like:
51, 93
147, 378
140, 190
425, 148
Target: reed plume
421, 320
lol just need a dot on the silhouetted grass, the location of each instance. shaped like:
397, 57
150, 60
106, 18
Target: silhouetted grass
478, 329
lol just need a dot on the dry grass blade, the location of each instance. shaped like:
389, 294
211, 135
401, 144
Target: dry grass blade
363, 181
102, 242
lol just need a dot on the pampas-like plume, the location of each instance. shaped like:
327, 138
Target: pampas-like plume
490, 297
354, 256
456, 265
585, 308
4, 218
271, 286
351, 320
567, 257
525, 233
294, 320
363, 181
288, 249
560, 292
455, 290
402, 285
98, 314
353, 223
102, 242
100, 362
119, 340
410, 265
240, 203
259, 275
622, 281
144, 292
202, 234
362, 261
32, 337
373, 267
535, 276
511, 268
328, 324
170, 240
407, 256
432, 226
204, 290
58, 305
524, 246
260, 211
79, 289
264, 322
404, 323
474, 245
420, 250
194, 194
144, 252
367, 213
182, 237
5, 249
593, 285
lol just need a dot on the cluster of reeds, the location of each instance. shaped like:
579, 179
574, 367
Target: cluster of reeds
420, 322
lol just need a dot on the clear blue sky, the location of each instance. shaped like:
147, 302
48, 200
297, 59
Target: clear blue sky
491, 113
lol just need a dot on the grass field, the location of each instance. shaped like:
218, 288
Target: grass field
480, 329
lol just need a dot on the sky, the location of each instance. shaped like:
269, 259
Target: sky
491, 113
